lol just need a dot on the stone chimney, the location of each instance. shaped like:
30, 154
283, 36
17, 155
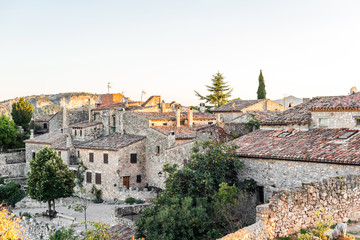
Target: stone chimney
162, 106
65, 123
68, 141
89, 105
218, 119
31, 133
178, 115
202, 107
171, 139
190, 117
266, 105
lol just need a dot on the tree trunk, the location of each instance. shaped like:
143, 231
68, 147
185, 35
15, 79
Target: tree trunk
54, 204
49, 205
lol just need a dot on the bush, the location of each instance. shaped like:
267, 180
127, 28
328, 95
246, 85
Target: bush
2, 179
25, 214
98, 200
11, 193
64, 234
139, 201
130, 200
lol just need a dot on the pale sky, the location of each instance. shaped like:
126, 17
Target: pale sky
171, 48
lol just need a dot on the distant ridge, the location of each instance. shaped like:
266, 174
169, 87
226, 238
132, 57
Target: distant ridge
51, 103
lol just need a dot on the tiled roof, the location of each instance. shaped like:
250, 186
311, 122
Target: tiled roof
49, 138
182, 132
237, 105
349, 102
43, 118
85, 124
172, 116
315, 145
112, 142
111, 106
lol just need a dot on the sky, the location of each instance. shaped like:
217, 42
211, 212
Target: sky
171, 48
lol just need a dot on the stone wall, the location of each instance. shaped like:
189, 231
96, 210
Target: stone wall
237, 129
275, 175
256, 231
10, 158
12, 170
266, 105
336, 119
129, 209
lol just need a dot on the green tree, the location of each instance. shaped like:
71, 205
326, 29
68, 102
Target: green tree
49, 178
8, 133
22, 112
185, 210
11, 193
219, 91
261, 92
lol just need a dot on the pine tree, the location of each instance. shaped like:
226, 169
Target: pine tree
219, 91
261, 92
22, 112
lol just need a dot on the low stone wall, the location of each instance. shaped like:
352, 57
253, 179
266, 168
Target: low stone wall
27, 202
237, 129
144, 194
11, 158
256, 231
12, 170
129, 209
290, 210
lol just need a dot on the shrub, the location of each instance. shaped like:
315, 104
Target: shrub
11, 193
139, 201
25, 214
2, 179
64, 234
97, 200
130, 200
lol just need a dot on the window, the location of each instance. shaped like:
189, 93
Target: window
347, 134
45, 126
164, 124
33, 155
88, 177
260, 194
133, 158
59, 153
138, 178
210, 123
284, 134
182, 122
78, 154
106, 158
75, 132
357, 121
91, 157
153, 124
80, 133
74, 173
157, 149
323, 122
97, 178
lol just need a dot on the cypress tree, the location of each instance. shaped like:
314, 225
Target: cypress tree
261, 92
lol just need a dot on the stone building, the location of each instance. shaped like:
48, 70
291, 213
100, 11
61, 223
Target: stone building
236, 108
47, 123
113, 162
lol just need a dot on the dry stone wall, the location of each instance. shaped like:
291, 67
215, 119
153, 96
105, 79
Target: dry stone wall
10, 158
336, 119
13, 170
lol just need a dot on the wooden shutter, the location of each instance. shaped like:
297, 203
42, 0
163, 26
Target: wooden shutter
133, 158
106, 158
91, 157
98, 178
88, 177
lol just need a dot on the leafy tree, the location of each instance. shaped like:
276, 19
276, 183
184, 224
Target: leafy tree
8, 133
49, 178
185, 210
11, 193
219, 91
22, 112
261, 92
9, 224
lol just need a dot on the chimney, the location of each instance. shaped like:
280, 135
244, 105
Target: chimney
31, 133
171, 139
68, 141
190, 117
265, 105
178, 114
162, 105
202, 107
218, 119
89, 105
65, 124
126, 102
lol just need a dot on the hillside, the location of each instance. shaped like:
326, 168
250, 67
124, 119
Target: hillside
48, 104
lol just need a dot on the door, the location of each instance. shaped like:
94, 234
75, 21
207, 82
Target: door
126, 182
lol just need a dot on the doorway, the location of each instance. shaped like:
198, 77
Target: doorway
126, 182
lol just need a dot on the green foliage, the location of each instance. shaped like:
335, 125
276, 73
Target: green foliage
139, 201
22, 112
178, 218
96, 192
253, 122
100, 231
49, 178
64, 234
219, 91
226, 194
25, 214
248, 185
2, 179
80, 177
130, 200
11, 193
261, 92
185, 210
8, 133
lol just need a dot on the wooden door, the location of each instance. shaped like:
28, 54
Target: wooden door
126, 182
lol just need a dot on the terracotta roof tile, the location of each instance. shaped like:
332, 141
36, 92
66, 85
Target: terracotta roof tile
182, 132
49, 138
44, 118
237, 105
112, 142
172, 116
349, 102
85, 124
315, 145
